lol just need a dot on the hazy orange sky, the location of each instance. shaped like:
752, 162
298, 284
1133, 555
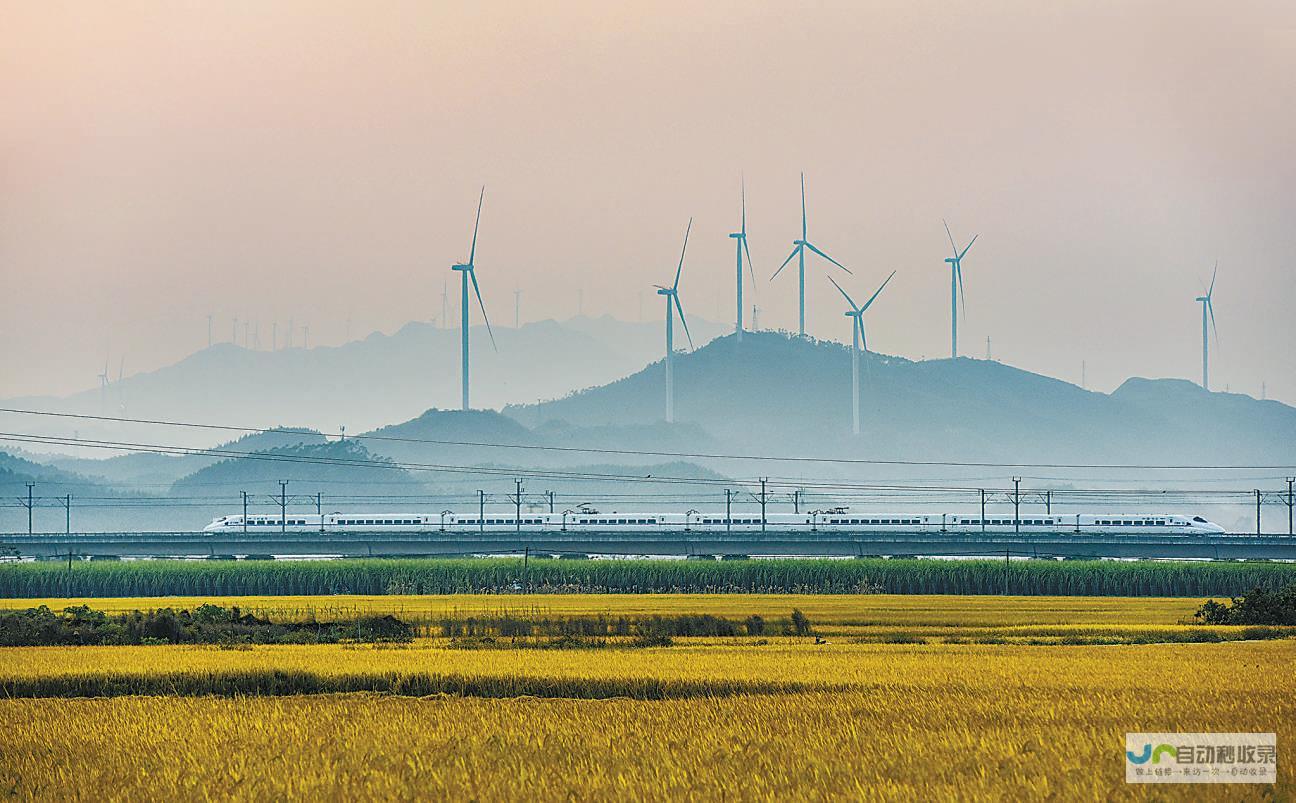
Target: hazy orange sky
320, 161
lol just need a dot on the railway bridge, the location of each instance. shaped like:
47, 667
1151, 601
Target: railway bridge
672, 543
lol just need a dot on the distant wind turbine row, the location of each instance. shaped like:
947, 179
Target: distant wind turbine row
800, 246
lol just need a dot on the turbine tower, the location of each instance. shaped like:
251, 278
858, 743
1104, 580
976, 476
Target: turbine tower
1208, 307
673, 303
468, 271
798, 250
103, 388
956, 287
858, 339
740, 245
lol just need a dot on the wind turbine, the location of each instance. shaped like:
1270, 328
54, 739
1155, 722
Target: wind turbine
798, 251
673, 303
858, 339
1208, 307
103, 388
740, 245
956, 287
468, 271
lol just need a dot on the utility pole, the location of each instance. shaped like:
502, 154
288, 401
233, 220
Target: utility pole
67, 509
1290, 481
283, 506
319, 509
481, 511
988, 357
550, 494
728, 510
517, 503
244, 511
1016, 506
983, 524
762, 482
796, 501
1048, 502
30, 502
1257, 495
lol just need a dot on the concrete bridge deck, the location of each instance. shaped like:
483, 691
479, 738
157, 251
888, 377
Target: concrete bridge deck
772, 542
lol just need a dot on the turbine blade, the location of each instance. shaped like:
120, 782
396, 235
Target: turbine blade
803, 212
743, 229
859, 320
472, 252
1211, 308
683, 321
795, 251
950, 236
1212, 284
969, 245
812, 247
751, 269
849, 300
473, 274
680, 269
869, 303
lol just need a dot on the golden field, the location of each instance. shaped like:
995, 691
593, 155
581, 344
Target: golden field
707, 718
893, 721
826, 610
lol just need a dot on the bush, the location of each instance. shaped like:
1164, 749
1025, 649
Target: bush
800, 624
1257, 607
207, 624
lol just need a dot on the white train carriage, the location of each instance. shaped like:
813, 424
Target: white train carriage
834, 520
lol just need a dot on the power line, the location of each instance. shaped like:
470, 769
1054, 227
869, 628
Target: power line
836, 489
652, 453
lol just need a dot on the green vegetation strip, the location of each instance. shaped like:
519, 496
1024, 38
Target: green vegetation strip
508, 575
272, 683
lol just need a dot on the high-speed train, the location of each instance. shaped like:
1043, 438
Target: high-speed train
834, 520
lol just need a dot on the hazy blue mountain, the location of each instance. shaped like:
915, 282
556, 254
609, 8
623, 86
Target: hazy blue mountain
360, 385
149, 472
335, 469
16, 472
785, 395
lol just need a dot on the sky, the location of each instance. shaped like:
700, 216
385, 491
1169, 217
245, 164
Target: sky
320, 162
